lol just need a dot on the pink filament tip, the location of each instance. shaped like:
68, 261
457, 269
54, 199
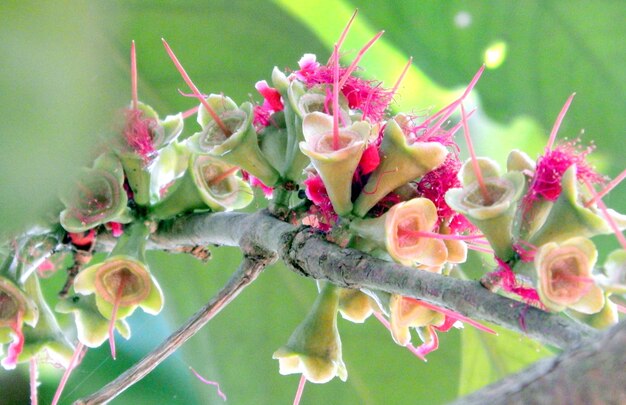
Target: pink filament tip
336, 99
557, 123
296, 400
209, 382
133, 75
74, 361
397, 85
343, 36
612, 184
194, 89
472, 152
356, 60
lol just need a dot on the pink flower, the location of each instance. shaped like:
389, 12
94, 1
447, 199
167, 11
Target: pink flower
138, 133
270, 94
308, 66
369, 160
323, 212
83, 239
117, 229
546, 181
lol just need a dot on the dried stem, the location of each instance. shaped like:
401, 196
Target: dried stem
249, 269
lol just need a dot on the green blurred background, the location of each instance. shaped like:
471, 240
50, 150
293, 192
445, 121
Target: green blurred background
64, 75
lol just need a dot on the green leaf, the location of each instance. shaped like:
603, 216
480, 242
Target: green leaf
487, 358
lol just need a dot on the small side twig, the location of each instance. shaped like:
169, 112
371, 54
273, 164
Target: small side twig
248, 270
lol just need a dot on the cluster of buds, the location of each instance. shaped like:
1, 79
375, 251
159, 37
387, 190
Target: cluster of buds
325, 146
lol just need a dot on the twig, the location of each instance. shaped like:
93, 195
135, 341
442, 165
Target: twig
249, 269
307, 253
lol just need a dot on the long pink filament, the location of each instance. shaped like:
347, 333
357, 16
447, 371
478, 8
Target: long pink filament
618, 234
209, 382
612, 184
336, 99
195, 90
456, 315
296, 400
34, 374
118, 298
356, 60
342, 38
475, 165
66, 374
387, 325
133, 75
450, 108
480, 249
441, 235
397, 84
557, 123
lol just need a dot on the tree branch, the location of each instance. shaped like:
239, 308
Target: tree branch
255, 260
307, 253
590, 374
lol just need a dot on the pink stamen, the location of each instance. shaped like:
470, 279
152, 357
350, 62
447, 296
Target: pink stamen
387, 325
74, 361
118, 298
133, 75
480, 249
296, 400
475, 165
428, 347
620, 308
336, 100
33, 372
441, 235
557, 123
618, 234
356, 60
195, 90
16, 347
612, 184
190, 112
406, 69
209, 382
218, 179
343, 36
447, 111
455, 315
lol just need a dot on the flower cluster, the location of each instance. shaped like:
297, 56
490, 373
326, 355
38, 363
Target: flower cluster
325, 146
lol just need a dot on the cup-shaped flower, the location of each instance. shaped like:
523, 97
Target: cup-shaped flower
401, 232
91, 326
564, 277
569, 217
209, 183
16, 309
492, 213
355, 305
314, 348
408, 313
45, 340
400, 162
240, 146
144, 134
335, 162
122, 282
97, 197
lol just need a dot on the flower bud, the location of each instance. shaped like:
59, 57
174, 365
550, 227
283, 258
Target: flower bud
97, 198
354, 305
314, 348
335, 166
492, 214
240, 147
400, 163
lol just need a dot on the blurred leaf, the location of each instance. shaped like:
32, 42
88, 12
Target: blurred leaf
487, 358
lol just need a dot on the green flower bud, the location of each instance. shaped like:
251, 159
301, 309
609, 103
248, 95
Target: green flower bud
492, 214
241, 147
98, 197
91, 326
335, 166
145, 133
45, 339
400, 162
569, 218
209, 183
314, 348
123, 278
